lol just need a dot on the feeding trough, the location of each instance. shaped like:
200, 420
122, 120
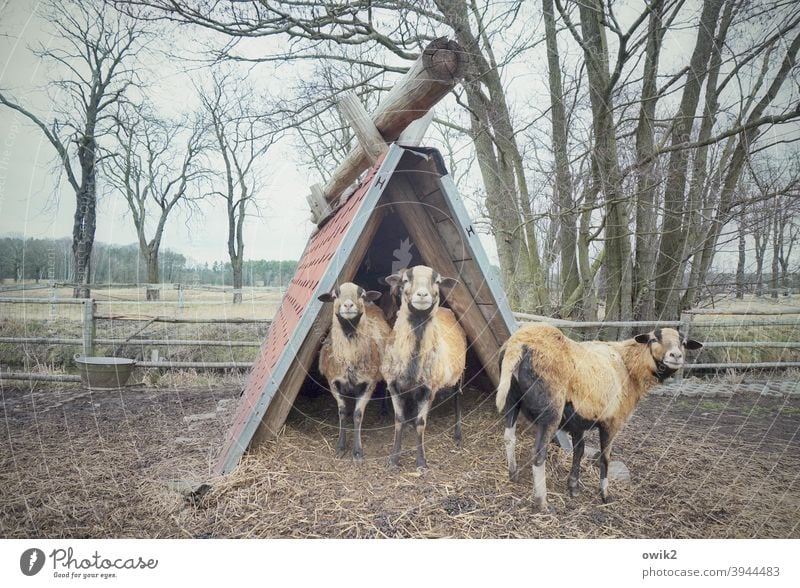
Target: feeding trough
104, 373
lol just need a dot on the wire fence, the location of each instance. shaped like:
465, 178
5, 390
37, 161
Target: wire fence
689, 322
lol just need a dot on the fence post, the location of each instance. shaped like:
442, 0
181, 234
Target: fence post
88, 327
685, 329
53, 310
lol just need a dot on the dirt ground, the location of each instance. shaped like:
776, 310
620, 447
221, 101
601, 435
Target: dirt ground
124, 464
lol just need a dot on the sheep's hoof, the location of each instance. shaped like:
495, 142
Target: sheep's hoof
513, 476
458, 439
394, 465
545, 508
358, 459
340, 451
422, 464
607, 499
574, 491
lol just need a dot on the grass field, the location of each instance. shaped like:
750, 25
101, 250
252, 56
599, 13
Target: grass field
64, 321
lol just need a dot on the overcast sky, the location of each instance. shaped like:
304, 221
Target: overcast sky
34, 202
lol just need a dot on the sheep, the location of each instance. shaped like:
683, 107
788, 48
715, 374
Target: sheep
559, 383
426, 355
351, 356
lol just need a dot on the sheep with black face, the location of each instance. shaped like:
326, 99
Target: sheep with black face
560, 383
351, 356
425, 356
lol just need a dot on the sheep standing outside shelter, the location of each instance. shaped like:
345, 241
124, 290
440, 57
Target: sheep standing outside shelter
560, 383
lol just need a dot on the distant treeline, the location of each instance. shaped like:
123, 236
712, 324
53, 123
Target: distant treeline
51, 259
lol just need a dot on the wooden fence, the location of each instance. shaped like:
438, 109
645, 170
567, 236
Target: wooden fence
88, 341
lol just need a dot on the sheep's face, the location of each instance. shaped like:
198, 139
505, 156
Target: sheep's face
667, 346
349, 299
420, 287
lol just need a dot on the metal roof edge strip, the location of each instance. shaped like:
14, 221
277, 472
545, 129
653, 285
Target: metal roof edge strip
479, 254
354, 230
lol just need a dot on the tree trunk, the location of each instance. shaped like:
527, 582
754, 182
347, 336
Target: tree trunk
741, 264
761, 247
648, 178
776, 251
236, 266
673, 232
500, 162
83, 228
567, 216
606, 164
153, 278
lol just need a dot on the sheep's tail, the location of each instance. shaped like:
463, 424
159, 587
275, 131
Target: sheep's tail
510, 357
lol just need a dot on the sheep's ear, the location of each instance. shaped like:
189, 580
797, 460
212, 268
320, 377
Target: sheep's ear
393, 280
692, 344
643, 338
327, 297
372, 295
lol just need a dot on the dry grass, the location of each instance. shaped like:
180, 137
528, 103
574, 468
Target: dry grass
204, 302
81, 465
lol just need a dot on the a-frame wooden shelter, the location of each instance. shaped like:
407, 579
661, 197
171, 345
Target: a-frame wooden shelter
407, 192
405, 202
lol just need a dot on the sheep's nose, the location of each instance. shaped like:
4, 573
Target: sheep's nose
348, 305
676, 355
422, 293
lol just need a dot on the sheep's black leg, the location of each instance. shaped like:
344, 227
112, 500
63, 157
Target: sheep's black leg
577, 456
384, 406
605, 453
341, 444
457, 402
510, 438
358, 417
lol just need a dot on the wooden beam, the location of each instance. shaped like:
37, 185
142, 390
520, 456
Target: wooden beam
440, 67
284, 398
431, 247
317, 203
369, 139
414, 133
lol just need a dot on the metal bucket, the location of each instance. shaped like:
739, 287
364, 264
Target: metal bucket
104, 373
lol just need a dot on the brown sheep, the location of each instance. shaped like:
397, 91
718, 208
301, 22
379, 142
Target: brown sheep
351, 356
426, 354
560, 383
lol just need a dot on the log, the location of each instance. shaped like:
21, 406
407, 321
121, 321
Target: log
369, 138
414, 133
440, 67
317, 203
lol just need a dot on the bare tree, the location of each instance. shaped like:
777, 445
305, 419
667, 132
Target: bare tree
320, 32
156, 166
93, 60
241, 134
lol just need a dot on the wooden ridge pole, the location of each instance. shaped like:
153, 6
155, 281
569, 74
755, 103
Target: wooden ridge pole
440, 67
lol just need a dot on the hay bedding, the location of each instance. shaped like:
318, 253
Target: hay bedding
98, 465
